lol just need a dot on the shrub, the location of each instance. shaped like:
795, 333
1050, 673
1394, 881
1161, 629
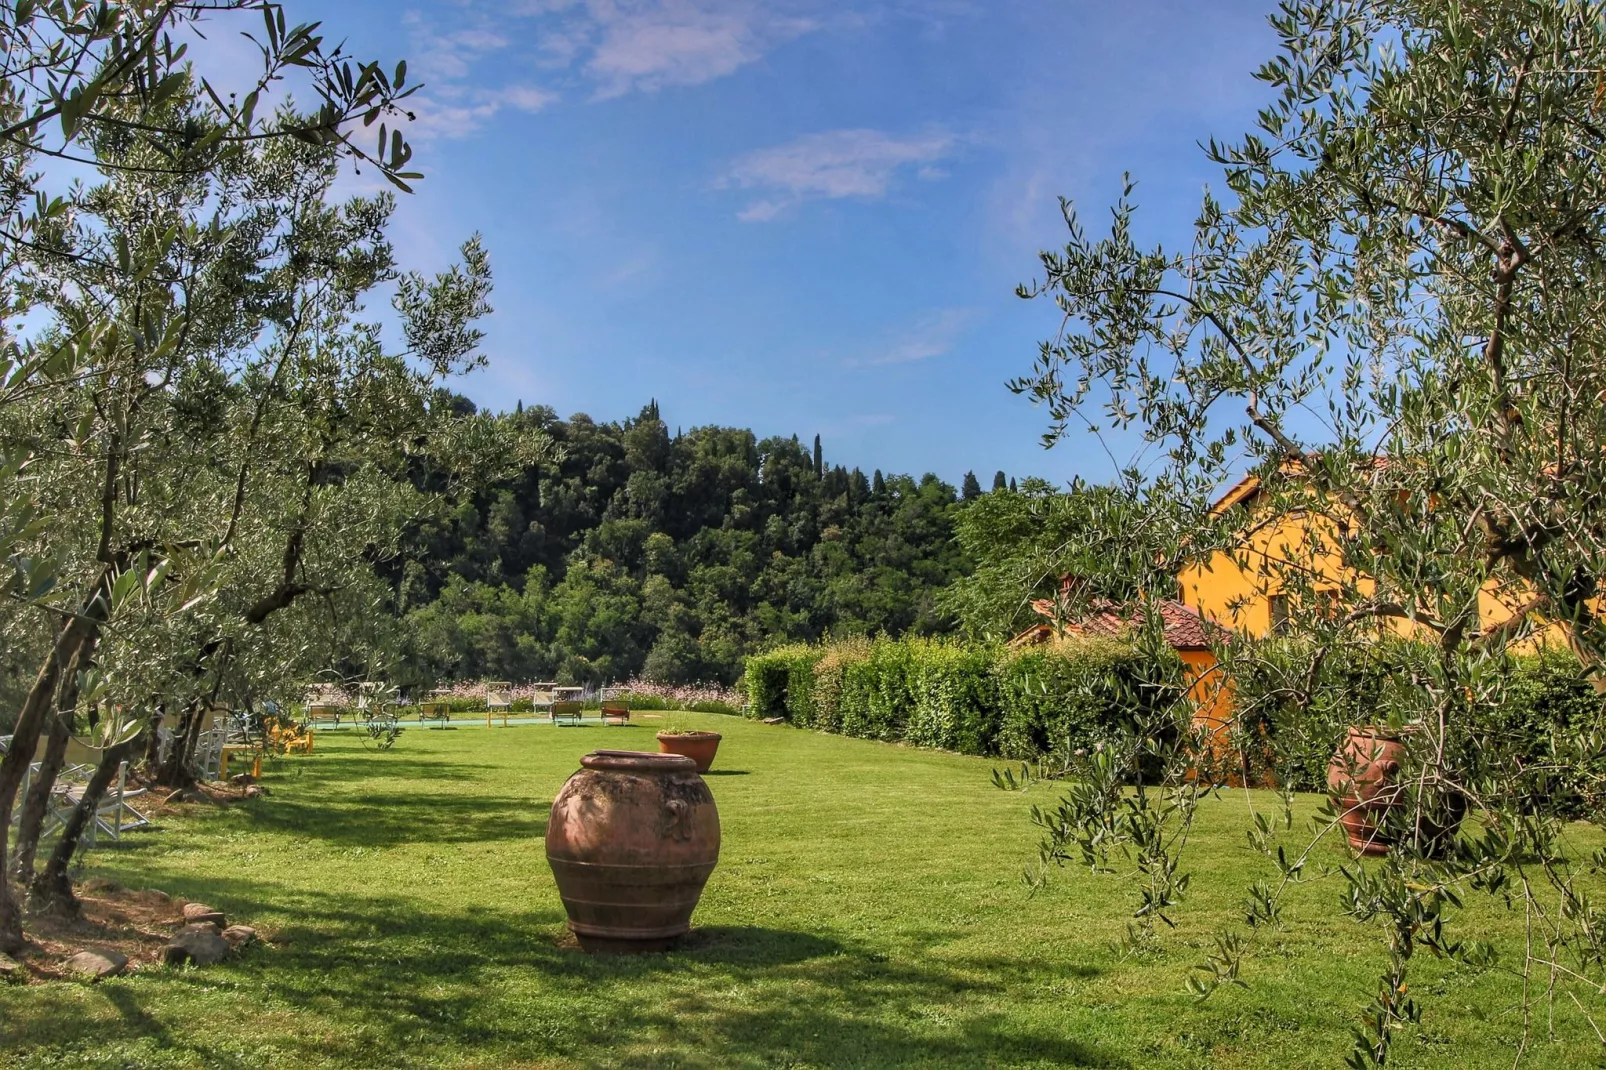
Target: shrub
764, 677
830, 671
1068, 695
1529, 712
768, 678
1301, 706
972, 699
955, 698
632, 700
1546, 719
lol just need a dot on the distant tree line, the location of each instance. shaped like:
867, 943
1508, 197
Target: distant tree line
645, 550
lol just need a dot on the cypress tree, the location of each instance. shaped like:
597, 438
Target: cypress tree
971, 489
858, 487
878, 485
819, 458
999, 482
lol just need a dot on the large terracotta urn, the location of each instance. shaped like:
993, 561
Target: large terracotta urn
1361, 781
632, 839
700, 747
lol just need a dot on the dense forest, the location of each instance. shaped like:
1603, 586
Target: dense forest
644, 551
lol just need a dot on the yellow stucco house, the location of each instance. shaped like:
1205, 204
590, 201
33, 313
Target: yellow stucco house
1241, 588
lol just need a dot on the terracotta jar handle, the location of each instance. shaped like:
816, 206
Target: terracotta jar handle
679, 819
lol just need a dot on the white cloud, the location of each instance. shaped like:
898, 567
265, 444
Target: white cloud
931, 336
832, 165
454, 102
458, 112
647, 45
617, 46
527, 97
439, 55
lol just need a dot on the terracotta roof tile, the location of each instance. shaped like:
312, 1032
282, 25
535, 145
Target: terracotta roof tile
1185, 629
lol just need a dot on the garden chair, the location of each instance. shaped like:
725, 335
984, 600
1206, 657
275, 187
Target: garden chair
542, 696
250, 751
324, 704
291, 740
114, 816
567, 712
209, 753
613, 713
321, 714
439, 712
498, 700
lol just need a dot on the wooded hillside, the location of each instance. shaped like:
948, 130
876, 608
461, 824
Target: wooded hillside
647, 550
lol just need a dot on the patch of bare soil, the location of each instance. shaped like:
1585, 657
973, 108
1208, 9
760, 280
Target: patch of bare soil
136, 924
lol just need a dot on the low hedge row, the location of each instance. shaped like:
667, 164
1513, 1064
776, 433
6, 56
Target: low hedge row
985, 700
1537, 711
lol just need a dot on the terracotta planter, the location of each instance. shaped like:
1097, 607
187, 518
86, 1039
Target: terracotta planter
1361, 781
631, 840
700, 747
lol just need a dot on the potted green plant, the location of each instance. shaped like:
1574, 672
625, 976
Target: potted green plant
700, 747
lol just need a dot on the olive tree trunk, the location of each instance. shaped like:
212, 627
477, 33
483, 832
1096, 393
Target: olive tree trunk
51, 890
36, 803
20, 755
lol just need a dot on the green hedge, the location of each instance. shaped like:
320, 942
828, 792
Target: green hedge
780, 683
955, 698
983, 700
1538, 712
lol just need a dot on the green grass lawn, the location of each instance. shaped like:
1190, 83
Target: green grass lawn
867, 911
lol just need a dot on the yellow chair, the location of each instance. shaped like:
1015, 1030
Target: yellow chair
232, 749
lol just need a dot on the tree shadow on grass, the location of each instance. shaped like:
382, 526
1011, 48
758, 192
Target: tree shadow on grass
385, 820
350, 769
356, 976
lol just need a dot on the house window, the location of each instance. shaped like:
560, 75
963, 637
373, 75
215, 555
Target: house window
1279, 613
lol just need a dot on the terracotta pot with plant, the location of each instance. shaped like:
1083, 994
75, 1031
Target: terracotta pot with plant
700, 747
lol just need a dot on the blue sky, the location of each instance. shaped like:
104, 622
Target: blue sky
798, 216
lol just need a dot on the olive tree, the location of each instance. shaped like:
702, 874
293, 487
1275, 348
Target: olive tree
206, 438
1393, 313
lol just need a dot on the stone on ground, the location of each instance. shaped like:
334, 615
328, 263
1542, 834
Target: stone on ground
199, 943
200, 912
11, 970
238, 936
93, 965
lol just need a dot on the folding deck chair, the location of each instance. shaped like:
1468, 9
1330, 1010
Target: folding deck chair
498, 700
568, 713
113, 814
